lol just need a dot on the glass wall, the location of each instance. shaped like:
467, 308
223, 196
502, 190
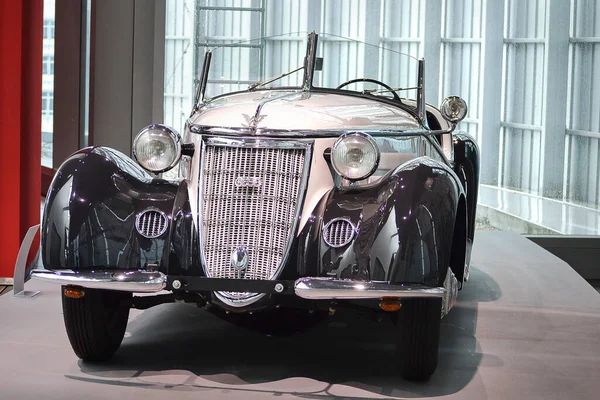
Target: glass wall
547, 175
528, 70
48, 83
582, 162
179, 63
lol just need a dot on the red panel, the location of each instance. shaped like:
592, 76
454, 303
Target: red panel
31, 117
10, 110
20, 110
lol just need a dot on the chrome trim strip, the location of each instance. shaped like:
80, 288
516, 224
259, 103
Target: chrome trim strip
124, 280
331, 288
307, 145
258, 143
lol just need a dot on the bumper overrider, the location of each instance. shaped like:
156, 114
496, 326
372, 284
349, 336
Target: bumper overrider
311, 288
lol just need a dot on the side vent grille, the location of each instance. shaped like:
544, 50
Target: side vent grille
338, 232
151, 223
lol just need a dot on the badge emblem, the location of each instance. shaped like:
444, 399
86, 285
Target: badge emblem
248, 182
239, 260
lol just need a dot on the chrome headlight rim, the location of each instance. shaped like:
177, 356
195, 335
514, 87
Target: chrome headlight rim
172, 134
462, 103
371, 141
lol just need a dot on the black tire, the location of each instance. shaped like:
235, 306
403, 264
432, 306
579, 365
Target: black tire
96, 322
418, 340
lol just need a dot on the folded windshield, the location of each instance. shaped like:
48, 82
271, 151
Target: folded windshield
281, 61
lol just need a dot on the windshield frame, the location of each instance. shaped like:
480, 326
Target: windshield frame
309, 67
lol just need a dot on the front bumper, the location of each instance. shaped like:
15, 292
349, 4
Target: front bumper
327, 288
306, 288
127, 281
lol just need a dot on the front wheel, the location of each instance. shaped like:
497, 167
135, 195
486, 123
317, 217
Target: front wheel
418, 340
95, 322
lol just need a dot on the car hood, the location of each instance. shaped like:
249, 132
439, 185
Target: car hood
298, 110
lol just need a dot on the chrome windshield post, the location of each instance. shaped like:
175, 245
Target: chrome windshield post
421, 93
309, 61
203, 82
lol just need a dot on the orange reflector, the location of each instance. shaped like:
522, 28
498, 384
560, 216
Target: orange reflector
74, 293
390, 305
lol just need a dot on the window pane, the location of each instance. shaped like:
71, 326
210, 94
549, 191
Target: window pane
48, 83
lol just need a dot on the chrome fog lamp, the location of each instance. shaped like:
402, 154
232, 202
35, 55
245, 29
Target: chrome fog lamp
355, 156
454, 109
157, 148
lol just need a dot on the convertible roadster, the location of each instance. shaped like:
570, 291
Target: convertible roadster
296, 193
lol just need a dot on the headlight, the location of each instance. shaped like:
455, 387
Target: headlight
355, 156
157, 148
454, 109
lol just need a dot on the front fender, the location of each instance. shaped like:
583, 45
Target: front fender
90, 212
404, 226
466, 157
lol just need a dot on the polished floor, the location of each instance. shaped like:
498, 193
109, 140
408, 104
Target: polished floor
526, 327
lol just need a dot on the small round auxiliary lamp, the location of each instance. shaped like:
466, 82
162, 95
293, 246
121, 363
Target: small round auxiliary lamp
454, 109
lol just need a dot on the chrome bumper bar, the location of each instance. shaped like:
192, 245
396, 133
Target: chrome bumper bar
329, 288
306, 288
128, 281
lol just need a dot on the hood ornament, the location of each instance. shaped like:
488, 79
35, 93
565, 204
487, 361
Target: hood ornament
253, 121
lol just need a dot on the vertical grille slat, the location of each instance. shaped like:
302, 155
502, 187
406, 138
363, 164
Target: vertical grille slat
249, 198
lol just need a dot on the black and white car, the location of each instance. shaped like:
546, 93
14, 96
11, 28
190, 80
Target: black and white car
291, 194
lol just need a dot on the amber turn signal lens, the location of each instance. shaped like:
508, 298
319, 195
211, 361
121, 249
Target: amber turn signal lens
390, 305
74, 293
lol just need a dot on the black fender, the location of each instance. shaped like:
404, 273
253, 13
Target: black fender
404, 224
466, 166
90, 211
307, 245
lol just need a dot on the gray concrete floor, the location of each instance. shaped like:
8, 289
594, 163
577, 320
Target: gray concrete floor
595, 283
526, 327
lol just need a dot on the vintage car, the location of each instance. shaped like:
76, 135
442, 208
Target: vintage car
289, 194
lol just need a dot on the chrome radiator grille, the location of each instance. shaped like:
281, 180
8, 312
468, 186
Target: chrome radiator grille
249, 197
